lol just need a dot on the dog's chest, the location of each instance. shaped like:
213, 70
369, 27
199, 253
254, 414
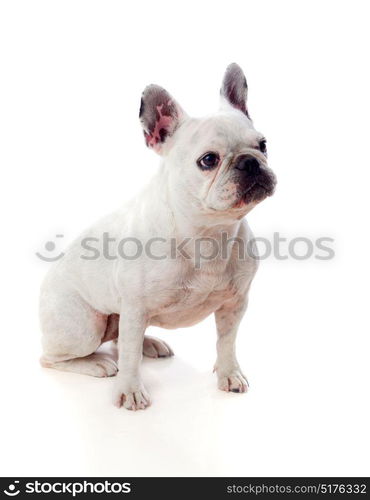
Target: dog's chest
189, 300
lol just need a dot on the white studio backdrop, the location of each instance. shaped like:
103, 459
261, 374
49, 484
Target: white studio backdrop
72, 73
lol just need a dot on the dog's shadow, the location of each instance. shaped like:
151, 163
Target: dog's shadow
159, 372
187, 412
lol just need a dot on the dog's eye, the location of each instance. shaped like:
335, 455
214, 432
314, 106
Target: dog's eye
208, 161
263, 146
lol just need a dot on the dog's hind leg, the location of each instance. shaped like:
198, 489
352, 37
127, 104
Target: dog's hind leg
96, 365
156, 348
72, 332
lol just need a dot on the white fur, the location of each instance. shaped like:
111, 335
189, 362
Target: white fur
180, 201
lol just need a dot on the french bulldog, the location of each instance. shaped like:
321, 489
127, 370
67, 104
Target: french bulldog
213, 172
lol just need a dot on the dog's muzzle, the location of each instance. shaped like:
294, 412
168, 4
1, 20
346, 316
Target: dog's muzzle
256, 181
248, 164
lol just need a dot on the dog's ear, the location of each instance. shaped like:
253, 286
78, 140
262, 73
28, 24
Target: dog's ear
234, 89
160, 116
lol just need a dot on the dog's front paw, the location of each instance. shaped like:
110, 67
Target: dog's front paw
132, 396
234, 381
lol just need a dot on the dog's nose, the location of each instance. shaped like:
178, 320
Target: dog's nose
248, 164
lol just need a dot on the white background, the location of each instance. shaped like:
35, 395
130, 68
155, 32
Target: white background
72, 73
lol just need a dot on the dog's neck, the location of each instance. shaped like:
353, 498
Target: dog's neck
192, 220
193, 223
182, 215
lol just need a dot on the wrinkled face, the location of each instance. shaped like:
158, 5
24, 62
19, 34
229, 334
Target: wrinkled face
222, 161
219, 162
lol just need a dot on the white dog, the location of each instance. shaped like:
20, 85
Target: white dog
213, 172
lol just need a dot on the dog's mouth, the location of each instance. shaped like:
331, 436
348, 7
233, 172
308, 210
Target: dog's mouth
257, 191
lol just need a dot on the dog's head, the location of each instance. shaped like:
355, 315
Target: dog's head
217, 163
